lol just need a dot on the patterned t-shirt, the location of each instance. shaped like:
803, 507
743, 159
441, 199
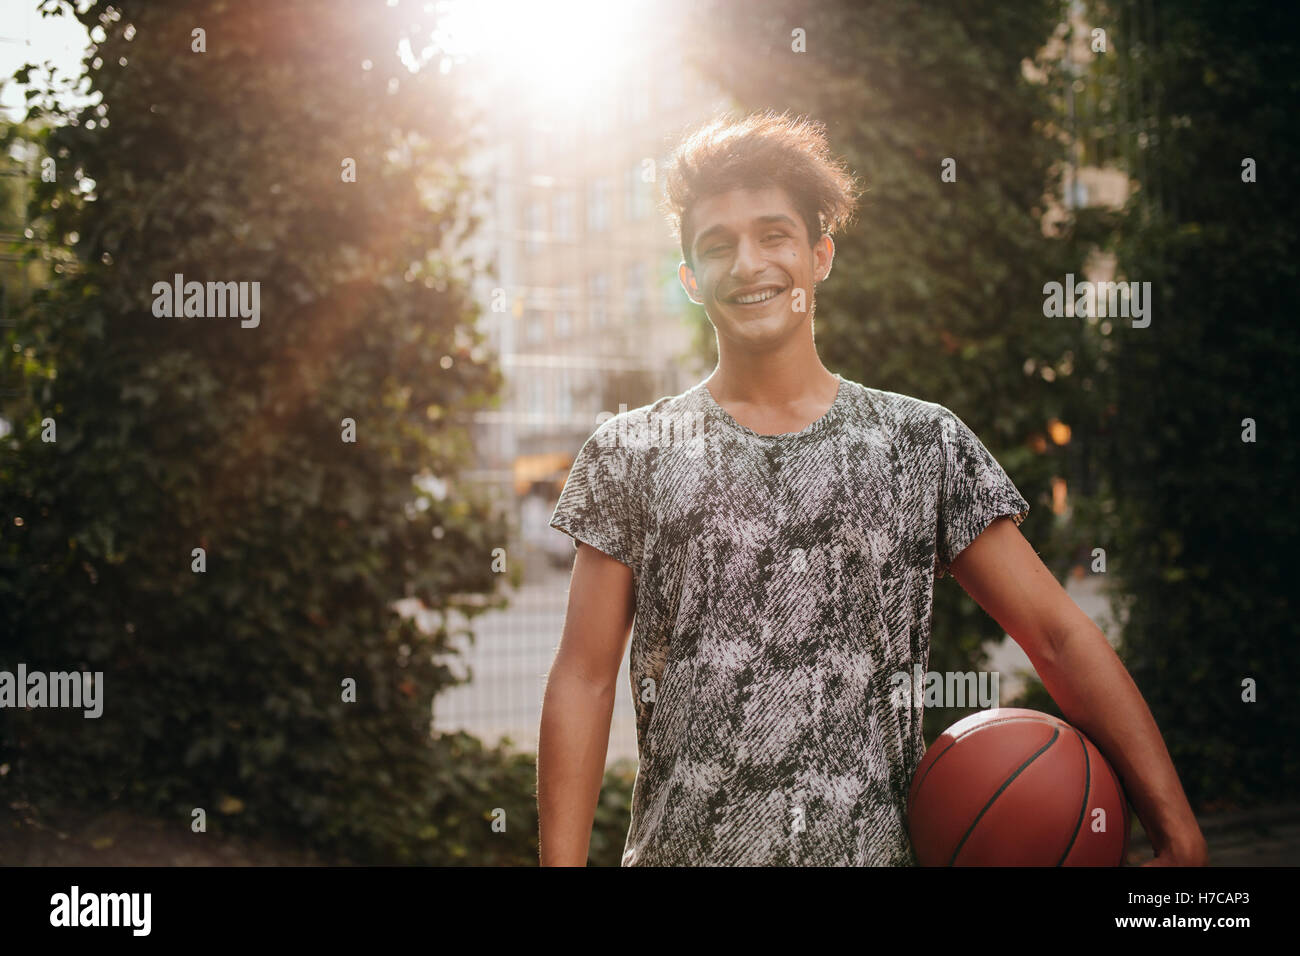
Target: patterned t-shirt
781, 582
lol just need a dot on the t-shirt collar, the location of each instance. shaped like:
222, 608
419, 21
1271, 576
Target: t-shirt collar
717, 413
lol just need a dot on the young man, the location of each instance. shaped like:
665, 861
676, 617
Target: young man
776, 532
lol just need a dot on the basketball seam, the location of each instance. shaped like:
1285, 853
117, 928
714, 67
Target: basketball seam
964, 733
1056, 732
1083, 809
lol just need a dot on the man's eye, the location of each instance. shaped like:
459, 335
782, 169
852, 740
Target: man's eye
770, 235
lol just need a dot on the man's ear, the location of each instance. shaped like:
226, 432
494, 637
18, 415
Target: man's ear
687, 278
823, 256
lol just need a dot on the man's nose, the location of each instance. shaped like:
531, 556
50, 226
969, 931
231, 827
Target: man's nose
748, 258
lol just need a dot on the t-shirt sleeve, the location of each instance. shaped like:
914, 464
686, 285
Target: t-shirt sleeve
602, 502
974, 491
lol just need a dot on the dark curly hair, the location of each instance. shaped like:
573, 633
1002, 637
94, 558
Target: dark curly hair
762, 149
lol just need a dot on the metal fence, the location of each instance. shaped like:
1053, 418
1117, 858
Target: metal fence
509, 658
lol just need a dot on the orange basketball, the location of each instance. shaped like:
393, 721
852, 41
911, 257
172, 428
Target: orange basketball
1016, 787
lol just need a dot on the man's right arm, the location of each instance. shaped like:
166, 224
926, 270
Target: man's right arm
579, 704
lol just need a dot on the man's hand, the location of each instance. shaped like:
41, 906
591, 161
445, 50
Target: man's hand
1192, 854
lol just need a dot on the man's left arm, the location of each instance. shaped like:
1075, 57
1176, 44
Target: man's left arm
1077, 665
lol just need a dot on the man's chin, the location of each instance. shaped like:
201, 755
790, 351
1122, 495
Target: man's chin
774, 319
762, 331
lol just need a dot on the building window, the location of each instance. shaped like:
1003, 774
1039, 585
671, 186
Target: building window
636, 193
563, 324
597, 290
564, 407
570, 307
534, 226
564, 215
532, 326
536, 395
598, 206
634, 292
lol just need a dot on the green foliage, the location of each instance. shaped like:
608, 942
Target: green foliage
19, 274
1206, 523
936, 292
223, 688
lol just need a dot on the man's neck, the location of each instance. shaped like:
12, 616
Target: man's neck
773, 393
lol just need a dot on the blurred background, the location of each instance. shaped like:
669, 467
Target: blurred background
452, 210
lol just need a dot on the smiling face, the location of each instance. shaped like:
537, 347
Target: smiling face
752, 252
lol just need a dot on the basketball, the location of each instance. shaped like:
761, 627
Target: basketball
1016, 787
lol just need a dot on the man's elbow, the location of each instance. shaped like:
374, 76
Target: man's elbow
577, 674
1054, 641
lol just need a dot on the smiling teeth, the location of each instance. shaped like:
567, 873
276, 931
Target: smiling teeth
757, 297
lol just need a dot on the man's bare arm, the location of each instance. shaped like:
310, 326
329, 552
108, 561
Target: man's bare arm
1085, 677
579, 703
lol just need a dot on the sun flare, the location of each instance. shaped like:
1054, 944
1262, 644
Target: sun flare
557, 51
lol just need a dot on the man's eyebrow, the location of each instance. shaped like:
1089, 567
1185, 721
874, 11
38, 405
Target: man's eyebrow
761, 220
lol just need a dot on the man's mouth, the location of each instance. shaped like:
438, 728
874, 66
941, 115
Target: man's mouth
757, 297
